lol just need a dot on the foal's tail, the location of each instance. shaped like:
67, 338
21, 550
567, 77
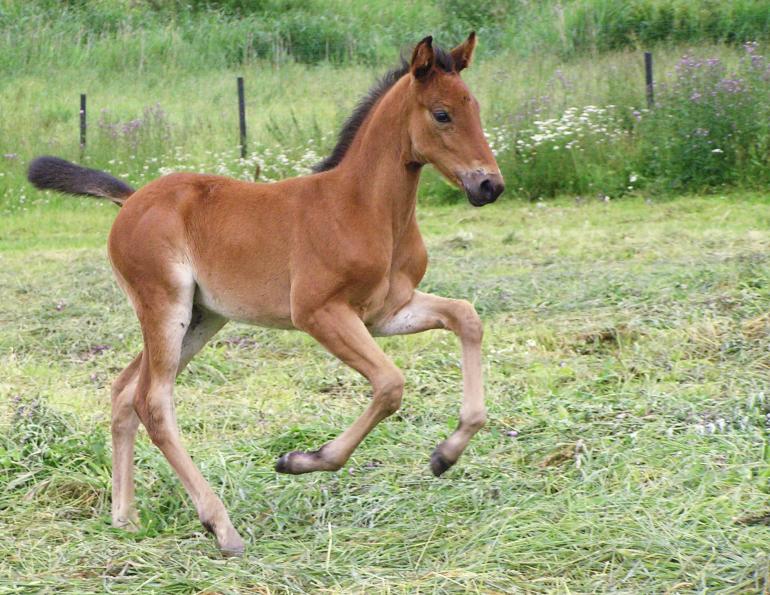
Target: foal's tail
52, 173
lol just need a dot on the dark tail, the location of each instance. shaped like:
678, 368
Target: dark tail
52, 173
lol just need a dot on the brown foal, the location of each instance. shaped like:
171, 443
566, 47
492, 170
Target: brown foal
336, 254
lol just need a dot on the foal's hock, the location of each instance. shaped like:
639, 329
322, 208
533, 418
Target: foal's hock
336, 254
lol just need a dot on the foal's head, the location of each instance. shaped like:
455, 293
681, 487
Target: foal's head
444, 123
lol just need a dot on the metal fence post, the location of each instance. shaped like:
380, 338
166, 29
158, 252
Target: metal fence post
242, 116
649, 80
82, 122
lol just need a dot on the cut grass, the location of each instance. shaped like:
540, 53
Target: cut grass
626, 344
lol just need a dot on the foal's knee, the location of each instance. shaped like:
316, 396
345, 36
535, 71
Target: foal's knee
123, 420
389, 391
468, 324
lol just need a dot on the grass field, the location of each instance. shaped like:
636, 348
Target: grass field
166, 118
627, 349
561, 86
627, 370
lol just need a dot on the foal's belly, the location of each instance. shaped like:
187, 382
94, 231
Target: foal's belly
265, 299
261, 302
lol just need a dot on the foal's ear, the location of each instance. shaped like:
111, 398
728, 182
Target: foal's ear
422, 58
463, 53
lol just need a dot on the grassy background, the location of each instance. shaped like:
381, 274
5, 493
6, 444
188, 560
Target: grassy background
120, 34
626, 345
196, 124
161, 91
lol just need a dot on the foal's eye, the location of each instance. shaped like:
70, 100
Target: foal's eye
441, 116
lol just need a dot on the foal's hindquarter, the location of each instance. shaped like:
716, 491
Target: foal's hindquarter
337, 255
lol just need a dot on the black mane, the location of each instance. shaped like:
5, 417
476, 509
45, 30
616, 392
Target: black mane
443, 60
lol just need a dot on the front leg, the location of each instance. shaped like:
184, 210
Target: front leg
338, 328
424, 312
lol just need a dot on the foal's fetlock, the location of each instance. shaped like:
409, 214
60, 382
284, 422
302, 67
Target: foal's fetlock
216, 521
298, 462
229, 541
447, 453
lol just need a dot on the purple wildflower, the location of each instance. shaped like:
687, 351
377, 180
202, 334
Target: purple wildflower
750, 47
731, 85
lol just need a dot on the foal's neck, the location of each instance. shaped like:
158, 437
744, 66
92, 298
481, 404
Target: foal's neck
379, 166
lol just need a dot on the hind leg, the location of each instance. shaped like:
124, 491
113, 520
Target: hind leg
125, 422
124, 425
165, 311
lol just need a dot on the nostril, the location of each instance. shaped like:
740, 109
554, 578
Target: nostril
487, 190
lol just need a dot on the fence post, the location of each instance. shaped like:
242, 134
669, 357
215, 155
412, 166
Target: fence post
242, 116
82, 122
649, 80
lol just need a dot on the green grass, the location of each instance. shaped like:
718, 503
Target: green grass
112, 35
294, 107
626, 343
159, 77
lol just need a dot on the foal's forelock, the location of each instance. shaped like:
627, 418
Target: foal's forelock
443, 61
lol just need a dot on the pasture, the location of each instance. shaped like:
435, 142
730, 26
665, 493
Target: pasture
623, 280
626, 450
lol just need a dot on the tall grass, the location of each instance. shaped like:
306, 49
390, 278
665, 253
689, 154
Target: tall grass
579, 127
125, 34
712, 125
709, 128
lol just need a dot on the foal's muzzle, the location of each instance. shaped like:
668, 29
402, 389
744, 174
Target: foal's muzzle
482, 188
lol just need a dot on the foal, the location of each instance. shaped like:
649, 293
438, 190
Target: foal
336, 254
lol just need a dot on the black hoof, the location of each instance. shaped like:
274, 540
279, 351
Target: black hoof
283, 464
298, 462
439, 463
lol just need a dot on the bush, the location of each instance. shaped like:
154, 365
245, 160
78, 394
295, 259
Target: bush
607, 25
711, 125
213, 32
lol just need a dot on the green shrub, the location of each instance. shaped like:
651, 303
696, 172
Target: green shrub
607, 24
711, 125
216, 32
